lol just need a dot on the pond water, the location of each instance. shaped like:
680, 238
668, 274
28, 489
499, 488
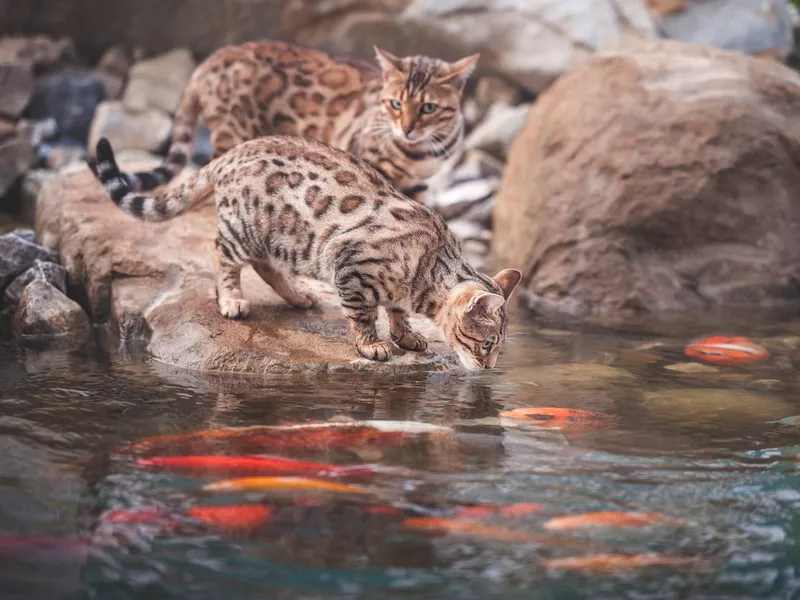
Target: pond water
700, 446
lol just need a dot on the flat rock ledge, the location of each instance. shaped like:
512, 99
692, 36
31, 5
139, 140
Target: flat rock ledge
154, 281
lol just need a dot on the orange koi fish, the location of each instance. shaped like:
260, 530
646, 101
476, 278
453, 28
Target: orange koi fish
560, 418
604, 563
727, 351
306, 436
254, 465
604, 519
234, 517
284, 484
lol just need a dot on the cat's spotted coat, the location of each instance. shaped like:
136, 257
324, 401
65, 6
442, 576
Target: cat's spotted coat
404, 119
289, 206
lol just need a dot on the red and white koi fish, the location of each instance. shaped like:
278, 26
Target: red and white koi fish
727, 351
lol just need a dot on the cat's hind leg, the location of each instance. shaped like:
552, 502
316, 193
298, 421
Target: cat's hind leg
283, 285
227, 277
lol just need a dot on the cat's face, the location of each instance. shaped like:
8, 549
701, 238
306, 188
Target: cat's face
476, 321
421, 96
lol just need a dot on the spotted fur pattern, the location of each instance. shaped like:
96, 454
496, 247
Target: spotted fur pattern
403, 119
292, 206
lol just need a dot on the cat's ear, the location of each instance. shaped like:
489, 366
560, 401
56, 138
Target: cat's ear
457, 73
508, 279
485, 302
388, 61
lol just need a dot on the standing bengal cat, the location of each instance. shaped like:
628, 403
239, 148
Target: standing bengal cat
404, 122
289, 205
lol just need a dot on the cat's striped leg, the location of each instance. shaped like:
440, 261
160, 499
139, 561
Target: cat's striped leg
227, 276
401, 333
361, 310
283, 285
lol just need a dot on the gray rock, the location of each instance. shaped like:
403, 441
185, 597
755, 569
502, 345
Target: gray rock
16, 156
145, 130
17, 255
16, 89
498, 130
530, 42
46, 271
159, 82
69, 98
45, 314
29, 235
35, 51
760, 28
461, 197
57, 156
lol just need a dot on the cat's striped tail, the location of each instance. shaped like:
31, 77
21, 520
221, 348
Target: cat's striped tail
162, 206
184, 129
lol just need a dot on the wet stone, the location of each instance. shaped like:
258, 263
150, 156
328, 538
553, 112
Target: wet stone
46, 271
17, 255
45, 314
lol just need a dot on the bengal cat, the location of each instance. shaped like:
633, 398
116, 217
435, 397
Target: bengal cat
404, 119
289, 205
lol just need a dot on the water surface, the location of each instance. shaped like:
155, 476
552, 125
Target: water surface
704, 448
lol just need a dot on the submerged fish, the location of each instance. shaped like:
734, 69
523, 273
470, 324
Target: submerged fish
23, 545
604, 519
559, 418
304, 436
254, 465
485, 511
234, 516
227, 517
284, 484
479, 530
730, 351
459, 527
600, 563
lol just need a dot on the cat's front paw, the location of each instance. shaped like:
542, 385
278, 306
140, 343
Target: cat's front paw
304, 300
379, 350
234, 308
412, 341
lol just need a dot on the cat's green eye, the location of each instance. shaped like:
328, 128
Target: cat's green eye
395, 104
487, 344
428, 108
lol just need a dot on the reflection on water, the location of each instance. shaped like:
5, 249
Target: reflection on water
700, 445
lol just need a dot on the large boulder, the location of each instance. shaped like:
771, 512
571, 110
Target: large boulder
658, 178
155, 280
